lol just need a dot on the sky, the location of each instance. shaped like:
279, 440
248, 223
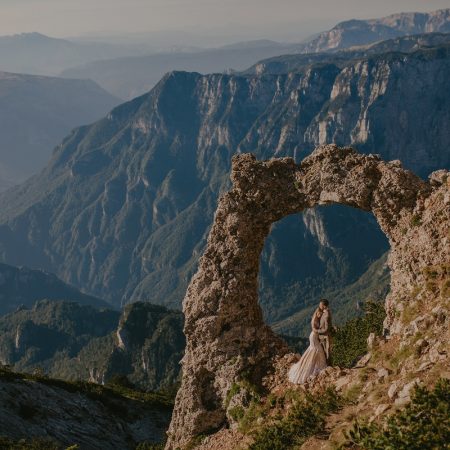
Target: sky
274, 19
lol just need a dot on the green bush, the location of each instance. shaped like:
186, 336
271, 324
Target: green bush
350, 340
305, 418
424, 424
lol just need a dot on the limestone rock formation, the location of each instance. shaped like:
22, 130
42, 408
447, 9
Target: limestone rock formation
227, 339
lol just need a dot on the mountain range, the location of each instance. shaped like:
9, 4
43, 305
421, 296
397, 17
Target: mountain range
354, 32
37, 54
124, 206
128, 77
36, 113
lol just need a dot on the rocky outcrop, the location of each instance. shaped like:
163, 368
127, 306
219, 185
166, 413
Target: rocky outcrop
227, 339
80, 415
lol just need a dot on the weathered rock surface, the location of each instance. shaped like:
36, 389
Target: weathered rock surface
227, 339
44, 409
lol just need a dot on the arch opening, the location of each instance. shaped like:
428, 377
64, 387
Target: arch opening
322, 252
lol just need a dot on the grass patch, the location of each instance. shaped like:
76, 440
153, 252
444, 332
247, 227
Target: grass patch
423, 424
305, 417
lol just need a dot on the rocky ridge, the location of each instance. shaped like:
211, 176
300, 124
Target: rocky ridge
227, 339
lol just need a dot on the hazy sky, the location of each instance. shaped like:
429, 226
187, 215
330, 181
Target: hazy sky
258, 18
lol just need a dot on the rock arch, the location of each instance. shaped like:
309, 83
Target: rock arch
225, 331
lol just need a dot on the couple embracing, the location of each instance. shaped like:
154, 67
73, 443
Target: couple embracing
317, 356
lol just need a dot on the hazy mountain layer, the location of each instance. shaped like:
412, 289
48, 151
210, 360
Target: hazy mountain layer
131, 76
36, 113
22, 287
38, 54
66, 340
123, 208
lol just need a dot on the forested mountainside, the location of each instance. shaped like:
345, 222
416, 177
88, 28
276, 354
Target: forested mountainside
144, 343
21, 287
36, 113
123, 208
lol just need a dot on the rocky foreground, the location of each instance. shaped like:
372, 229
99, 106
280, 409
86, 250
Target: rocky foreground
87, 415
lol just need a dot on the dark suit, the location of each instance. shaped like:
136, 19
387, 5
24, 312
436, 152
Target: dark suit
325, 333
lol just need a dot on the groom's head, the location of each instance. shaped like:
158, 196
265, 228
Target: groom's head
323, 305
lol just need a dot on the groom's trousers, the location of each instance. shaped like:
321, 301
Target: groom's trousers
325, 340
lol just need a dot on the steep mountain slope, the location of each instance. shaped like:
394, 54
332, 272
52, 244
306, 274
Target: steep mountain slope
36, 113
66, 340
22, 287
54, 414
362, 32
38, 54
131, 76
124, 206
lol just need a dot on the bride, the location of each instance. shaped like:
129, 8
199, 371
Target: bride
314, 359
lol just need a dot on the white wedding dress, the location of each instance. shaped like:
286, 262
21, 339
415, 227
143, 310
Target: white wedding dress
311, 363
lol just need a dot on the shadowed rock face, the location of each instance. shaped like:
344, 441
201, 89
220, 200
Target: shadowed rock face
225, 331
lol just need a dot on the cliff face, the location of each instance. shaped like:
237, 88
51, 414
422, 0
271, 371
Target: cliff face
124, 206
227, 339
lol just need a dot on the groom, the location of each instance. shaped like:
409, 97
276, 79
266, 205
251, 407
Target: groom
325, 328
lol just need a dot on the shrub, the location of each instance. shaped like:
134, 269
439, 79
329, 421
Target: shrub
305, 418
28, 444
423, 424
350, 340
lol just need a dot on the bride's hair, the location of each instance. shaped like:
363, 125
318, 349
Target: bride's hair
318, 313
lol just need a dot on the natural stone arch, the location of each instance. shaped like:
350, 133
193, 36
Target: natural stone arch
224, 326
